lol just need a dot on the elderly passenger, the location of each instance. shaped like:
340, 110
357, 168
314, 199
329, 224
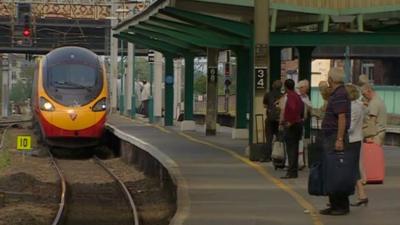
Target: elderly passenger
356, 137
376, 121
335, 125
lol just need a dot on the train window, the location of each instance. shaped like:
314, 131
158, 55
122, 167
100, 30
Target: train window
73, 76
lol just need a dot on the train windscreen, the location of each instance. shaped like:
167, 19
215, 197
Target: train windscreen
73, 84
73, 76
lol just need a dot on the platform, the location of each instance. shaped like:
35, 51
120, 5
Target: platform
217, 184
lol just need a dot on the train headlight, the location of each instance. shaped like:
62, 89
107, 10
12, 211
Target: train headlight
45, 105
100, 105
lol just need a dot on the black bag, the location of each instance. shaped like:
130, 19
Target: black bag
316, 180
273, 110
341, 172
258, 150
315, 148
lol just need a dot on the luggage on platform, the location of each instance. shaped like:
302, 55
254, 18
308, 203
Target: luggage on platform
316, 180
373, 161
340, 172
278, 155
258, 150
315, 147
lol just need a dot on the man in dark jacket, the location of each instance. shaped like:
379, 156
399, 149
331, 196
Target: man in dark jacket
271, 101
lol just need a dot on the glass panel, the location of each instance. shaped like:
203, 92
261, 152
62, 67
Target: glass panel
73, 76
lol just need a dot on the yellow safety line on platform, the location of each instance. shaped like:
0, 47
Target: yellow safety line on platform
161, 128
264, 172
142, 121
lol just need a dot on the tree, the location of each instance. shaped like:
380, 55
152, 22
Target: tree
22, 90
142, 68
200, 85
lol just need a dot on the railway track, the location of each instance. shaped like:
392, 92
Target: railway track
92, 194
10, 122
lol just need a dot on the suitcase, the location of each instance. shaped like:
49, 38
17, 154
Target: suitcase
373, 162
314, 151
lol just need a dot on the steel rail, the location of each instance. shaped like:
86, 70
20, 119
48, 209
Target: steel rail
124, 188
61, 209
12, 122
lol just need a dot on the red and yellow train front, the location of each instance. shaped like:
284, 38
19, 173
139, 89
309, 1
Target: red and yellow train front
71, 100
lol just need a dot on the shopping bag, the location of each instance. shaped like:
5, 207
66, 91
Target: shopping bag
278, 150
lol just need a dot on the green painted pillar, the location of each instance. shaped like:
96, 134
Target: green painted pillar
305, 61
212, 91
189, 86
347, 65
151, 100
122, 71
275, 65
169, 90
133, 97
242, 87
250, 87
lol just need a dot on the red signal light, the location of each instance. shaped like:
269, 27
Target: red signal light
26, 32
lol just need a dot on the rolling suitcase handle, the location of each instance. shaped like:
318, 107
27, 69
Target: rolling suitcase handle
263, 128
258, 149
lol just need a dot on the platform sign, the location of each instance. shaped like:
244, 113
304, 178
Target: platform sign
24, 143
212, 74
169, 79
261, 78
150, 56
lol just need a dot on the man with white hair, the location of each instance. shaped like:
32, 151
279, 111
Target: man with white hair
334, 129
377, 116
304, 87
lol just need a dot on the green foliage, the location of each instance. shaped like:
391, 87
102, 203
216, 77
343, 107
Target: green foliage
142, 68
200, 85
22, 90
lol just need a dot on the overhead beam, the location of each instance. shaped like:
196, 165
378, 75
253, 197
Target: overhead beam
200, 42
146, 43
229, 26
164, 38
335, 39
200, 32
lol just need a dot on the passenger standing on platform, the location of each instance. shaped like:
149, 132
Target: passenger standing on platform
145, 98
304, 87
376, 120
356, 137
271, 103
292, 124
138, 95
325, 92
335, 125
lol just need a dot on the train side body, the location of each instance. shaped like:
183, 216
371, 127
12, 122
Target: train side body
70, 97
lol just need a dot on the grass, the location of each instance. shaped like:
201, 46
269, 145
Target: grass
4, 159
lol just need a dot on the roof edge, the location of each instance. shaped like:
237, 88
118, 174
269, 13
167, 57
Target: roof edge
142, 16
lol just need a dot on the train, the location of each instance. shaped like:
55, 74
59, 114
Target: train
70, 98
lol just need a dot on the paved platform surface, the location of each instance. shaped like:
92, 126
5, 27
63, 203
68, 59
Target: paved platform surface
218, 185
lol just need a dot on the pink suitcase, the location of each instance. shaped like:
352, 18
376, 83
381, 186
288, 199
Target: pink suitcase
373, 163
